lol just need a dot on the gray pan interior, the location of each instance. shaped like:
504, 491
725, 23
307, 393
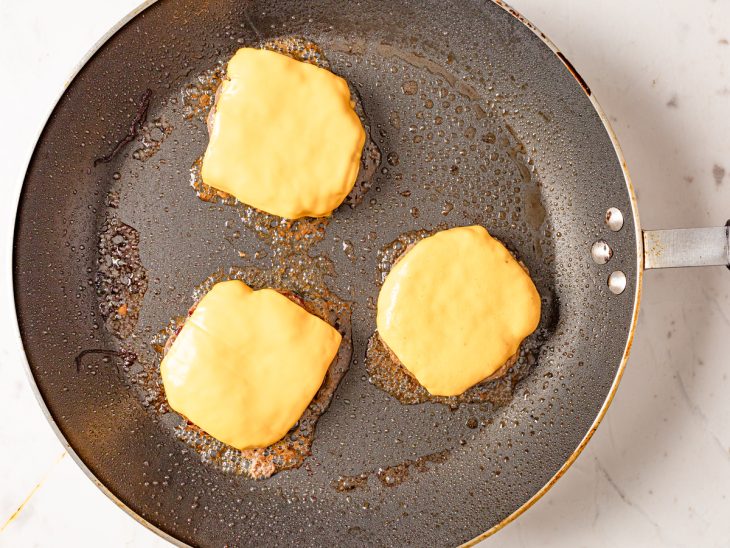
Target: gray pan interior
512, 116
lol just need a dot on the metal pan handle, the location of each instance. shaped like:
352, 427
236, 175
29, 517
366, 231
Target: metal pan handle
687, 247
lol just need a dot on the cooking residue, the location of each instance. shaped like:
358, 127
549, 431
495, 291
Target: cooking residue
121, 280
349, 249
152, 135
391, 476
198, 97
128, 358
348, 483
139, 118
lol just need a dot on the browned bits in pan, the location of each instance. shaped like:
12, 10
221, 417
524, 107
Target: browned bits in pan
139, 118
393, 475
121, 280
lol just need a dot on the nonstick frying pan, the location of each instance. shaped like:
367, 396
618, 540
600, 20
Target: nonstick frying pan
479, 119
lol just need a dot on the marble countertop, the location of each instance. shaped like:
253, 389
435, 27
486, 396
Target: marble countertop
657, 472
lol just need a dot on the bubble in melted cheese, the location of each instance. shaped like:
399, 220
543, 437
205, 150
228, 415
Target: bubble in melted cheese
247, 363
455, 308
285, 138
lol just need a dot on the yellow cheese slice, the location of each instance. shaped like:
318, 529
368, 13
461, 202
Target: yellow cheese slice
285, 138
246, 364
455, 308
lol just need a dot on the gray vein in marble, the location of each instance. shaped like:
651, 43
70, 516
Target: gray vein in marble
697, 412
714, 301
695, 358
626, 499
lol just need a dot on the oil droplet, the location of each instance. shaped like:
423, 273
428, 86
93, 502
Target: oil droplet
394, 120
410, 87
349, 249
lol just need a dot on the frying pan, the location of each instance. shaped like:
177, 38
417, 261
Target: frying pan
479, 119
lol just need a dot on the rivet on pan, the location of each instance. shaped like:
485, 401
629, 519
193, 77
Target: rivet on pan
614, 219
617, 282
601, 252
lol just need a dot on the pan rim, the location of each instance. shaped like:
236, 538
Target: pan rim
9, 261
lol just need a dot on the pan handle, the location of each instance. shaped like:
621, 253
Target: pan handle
687, 247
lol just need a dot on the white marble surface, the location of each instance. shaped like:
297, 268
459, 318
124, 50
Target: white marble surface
658, 470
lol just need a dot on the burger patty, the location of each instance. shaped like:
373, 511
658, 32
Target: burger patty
290, 451
309, 52
388, 373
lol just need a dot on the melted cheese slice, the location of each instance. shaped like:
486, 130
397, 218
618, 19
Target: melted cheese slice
455, 308
246, 364
285, 137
